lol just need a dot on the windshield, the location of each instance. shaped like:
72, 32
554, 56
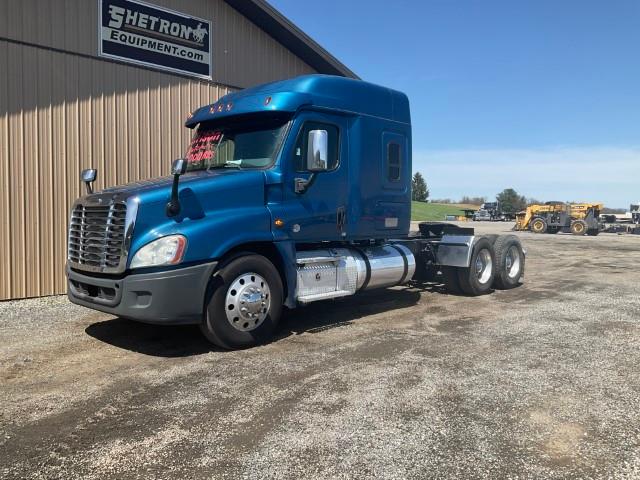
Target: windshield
241, 145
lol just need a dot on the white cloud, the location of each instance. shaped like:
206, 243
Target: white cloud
605, 174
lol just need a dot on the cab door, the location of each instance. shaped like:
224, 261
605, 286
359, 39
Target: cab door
315, 176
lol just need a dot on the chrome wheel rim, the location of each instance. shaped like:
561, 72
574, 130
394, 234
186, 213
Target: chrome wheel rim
247, 302
484, 266
512, 262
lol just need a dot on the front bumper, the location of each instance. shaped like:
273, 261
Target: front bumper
167, 297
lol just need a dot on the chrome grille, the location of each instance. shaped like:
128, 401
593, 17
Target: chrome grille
97, 237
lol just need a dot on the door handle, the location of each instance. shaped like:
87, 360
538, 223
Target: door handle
301, 185
341, 218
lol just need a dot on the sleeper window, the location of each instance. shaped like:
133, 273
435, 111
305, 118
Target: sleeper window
393, 162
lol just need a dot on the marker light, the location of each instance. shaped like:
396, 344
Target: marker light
167, 250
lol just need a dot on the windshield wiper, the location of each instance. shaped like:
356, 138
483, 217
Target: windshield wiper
226, 165
232, 164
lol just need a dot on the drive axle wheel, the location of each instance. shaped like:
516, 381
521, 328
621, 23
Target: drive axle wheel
509, 261
450, 278
245, 306
478, 277
578, 227
538, 225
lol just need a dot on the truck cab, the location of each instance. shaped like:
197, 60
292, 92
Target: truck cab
288, 193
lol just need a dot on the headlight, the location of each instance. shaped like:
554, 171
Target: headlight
167, 250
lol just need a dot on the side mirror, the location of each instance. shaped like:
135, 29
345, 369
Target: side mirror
317, 150
178, 166
88, 176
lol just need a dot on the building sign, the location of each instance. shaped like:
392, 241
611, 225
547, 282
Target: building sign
145, 34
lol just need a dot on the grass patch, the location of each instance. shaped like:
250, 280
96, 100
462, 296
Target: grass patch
434, 212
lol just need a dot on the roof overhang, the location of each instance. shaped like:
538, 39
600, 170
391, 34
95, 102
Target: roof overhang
285, 32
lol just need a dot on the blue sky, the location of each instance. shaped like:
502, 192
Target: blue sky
543, 93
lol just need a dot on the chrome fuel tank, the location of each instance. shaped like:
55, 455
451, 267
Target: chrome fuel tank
390, 265
338, 272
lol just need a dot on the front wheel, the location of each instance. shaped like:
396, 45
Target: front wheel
245, 305
578, 227
538, 225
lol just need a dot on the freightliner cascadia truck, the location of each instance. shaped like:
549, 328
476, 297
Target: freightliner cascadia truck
289, 193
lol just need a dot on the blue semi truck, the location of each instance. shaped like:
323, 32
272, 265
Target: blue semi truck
289, 193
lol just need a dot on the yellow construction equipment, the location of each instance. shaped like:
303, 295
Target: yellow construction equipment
554, 217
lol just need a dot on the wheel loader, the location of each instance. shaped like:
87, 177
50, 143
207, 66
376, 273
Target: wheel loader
554, 217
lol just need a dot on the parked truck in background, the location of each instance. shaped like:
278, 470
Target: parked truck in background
634, 209
289, 193
492, 212
487, 212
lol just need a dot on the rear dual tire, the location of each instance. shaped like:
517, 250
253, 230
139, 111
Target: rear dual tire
509, 262
477, 278
495, 262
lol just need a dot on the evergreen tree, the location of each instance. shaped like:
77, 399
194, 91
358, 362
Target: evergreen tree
510, 201
419, 189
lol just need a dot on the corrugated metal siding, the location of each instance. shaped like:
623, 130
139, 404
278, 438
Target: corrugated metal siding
61, 112
243, 54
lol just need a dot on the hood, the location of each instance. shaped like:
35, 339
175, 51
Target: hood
159, 189
160, 183
206, 200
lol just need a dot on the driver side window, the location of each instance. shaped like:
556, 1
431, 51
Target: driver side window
301, 149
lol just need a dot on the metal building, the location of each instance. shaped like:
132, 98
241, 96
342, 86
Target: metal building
107, 84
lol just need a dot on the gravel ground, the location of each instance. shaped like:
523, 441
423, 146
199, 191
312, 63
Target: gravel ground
542, 381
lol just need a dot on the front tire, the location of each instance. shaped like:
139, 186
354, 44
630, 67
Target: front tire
538, 225
578, 227
245, 305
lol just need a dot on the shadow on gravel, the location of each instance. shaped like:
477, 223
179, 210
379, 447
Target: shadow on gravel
186, 340
324, 315
154, 340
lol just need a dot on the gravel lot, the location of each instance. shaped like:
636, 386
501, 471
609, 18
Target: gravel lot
542, 381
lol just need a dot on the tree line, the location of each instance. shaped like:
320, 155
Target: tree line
510, 200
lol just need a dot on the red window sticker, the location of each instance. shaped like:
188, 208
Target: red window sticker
203, 146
